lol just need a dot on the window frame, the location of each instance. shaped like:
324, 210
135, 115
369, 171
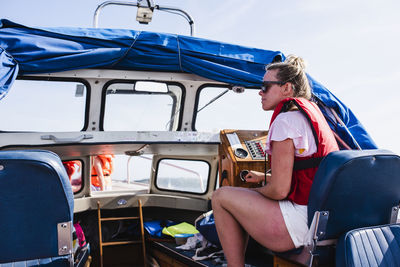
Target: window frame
82, 174
181, 191
127, 81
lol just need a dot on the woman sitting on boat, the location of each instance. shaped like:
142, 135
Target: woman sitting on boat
275, 214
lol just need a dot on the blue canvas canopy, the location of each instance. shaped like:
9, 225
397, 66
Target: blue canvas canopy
25, 50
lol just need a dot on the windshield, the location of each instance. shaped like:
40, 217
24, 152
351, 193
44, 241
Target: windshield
41, 106
149, 107
230, 111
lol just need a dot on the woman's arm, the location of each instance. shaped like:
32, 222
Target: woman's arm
278, 186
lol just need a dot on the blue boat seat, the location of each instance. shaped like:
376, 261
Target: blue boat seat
47, 262
36, 210
370, 247
351, 189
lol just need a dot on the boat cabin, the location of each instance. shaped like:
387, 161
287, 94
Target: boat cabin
178, 116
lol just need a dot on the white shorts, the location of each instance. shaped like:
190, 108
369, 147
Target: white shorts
295, 217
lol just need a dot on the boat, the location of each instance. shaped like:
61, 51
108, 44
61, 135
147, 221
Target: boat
169, 108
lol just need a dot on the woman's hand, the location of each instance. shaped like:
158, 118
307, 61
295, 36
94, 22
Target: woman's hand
254, 177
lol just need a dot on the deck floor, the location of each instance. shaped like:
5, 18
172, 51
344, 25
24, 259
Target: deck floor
256, 258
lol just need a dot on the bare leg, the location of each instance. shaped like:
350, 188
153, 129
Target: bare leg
240, 210
232, 236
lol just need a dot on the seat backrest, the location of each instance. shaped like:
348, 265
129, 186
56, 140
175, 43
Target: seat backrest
357, 188
370, 247
36, 206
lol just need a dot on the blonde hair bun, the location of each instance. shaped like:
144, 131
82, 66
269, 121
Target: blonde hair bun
296, 61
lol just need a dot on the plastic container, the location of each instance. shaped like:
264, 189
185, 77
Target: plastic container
181, 239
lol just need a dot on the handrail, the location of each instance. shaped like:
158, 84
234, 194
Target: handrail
66, 140
161, 8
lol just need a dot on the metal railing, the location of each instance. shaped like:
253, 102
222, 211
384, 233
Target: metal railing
170, 9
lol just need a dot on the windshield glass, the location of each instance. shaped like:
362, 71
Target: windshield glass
120, 172
152, 107
182, 175
230, 111
41, 106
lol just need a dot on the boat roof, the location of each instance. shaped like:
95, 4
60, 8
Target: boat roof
41, 50
26, 50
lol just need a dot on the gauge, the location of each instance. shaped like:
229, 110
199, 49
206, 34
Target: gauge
241, 153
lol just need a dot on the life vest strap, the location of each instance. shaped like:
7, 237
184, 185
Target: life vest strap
307, 163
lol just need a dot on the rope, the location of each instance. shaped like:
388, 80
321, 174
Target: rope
127, 51
179, 53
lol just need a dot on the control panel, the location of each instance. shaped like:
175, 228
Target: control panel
241, 150
256, 149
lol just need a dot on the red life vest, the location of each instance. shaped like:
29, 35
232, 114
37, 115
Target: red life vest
324, 139
107, 167
70, 168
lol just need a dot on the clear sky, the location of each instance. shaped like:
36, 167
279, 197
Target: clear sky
350, 46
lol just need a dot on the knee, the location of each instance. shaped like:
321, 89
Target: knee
215, 197
219, 195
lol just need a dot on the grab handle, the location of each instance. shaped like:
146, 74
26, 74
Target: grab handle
66, 140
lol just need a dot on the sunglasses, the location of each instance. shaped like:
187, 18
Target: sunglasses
267, 84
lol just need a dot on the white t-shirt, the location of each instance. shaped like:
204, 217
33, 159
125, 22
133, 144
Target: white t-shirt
293, 125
